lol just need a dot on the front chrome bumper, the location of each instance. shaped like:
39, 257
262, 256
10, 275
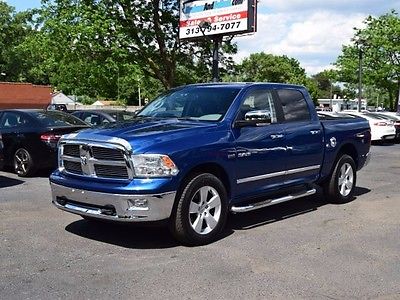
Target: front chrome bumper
117, 207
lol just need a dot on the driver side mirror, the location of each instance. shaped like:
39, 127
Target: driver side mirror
255, 118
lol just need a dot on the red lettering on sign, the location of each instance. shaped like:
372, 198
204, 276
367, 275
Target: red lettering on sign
214, 19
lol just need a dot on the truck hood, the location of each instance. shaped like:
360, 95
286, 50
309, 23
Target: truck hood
143, 133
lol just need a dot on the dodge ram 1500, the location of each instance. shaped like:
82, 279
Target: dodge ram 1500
198, 152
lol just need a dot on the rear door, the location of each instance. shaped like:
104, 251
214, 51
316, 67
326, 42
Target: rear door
260, 150
304, 137
17, 129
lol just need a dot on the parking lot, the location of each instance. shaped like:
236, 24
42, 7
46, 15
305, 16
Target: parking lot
306, 248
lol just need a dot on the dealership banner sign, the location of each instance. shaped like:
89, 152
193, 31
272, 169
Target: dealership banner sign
218, 17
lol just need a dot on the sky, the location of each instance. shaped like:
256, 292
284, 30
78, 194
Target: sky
311, 31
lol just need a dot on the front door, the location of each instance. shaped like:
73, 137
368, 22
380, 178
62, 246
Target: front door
260, 150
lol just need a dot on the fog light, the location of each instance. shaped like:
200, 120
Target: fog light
138, 204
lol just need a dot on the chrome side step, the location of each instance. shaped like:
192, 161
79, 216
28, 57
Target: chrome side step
269, 202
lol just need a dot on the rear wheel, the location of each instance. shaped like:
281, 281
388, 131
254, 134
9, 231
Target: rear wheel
23, 163
201, 211
341, 185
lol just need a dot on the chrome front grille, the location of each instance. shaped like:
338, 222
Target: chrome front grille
107, 153
111, 171
71, 150
96, 160
73, 167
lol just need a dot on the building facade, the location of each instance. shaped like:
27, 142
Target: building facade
24, 95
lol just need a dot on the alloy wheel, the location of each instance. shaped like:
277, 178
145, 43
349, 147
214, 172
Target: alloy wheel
205, 210
346, 179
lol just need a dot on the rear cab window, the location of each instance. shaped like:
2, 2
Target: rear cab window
294, 105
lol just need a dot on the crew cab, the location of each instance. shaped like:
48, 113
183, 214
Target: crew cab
198, 152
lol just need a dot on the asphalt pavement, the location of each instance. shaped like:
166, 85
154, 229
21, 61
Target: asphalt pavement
307, 248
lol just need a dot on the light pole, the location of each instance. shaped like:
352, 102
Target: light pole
330, 95
217, 41
118, 83
138, 79
360, 44
360, 56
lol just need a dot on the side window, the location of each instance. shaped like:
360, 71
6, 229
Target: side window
91, 118
258, 100
14, 120
294, 106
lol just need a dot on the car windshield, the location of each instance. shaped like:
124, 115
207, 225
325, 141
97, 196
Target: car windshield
58, 119
195, 103
121, 116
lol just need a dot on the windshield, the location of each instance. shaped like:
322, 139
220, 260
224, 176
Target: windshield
196, 103
58, 119
122, 116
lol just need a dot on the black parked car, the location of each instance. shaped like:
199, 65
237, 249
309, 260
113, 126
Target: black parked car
101, 117
1, 152
30, 137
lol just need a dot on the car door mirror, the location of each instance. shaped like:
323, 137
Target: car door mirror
260, 115
255, 118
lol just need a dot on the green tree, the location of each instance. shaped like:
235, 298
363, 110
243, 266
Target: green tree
379, 44
111, 48
326, 83
263, 67
14, 29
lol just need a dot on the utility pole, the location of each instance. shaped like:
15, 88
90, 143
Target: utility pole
215, 66
360, 44
330, 95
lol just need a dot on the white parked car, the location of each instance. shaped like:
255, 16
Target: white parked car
392, 117
381, 129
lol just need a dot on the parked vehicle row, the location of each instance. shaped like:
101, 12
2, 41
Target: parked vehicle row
383, 127
102, 117
1, 152
30, 137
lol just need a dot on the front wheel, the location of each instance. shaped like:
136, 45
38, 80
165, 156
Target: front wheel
201, 211
340, 187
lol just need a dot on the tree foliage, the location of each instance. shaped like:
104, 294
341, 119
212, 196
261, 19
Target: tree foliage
111, 48
326, 82
379, 45
15, 28
263, 67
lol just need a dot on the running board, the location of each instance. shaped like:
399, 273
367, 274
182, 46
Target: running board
269, 202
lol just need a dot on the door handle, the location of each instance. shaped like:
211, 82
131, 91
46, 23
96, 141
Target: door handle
314, 132
276, 136
360, 135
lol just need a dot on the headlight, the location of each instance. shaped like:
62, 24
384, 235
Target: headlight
153, 165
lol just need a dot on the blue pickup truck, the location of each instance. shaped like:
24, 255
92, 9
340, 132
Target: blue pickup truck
198, 152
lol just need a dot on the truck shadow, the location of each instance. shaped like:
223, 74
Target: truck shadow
137, 236
133, 236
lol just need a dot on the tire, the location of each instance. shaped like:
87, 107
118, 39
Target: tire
200, 213
341, 185
23, 163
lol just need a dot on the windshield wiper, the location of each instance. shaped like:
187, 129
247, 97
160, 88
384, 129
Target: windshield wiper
188, 119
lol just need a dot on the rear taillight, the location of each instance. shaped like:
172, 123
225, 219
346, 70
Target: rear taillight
50, 137
381, 124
